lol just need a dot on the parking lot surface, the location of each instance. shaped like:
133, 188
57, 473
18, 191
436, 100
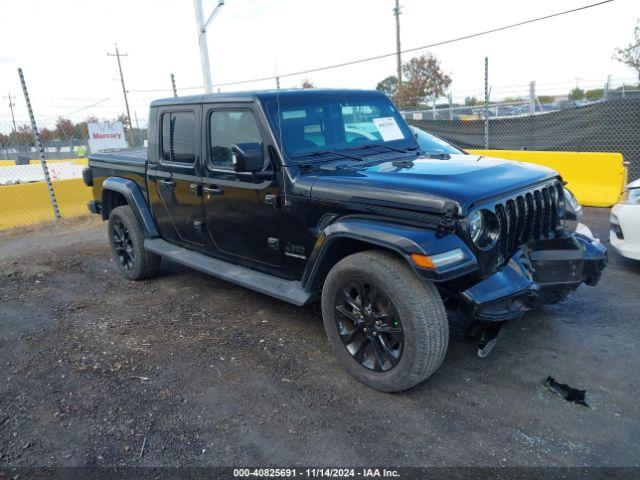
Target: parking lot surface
184, 369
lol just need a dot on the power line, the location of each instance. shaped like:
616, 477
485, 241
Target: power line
87, 107
436, 44
386, 55
152, 90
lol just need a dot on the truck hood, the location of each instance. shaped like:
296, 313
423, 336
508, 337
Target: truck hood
427, 184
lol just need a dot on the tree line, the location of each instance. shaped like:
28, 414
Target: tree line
64, 131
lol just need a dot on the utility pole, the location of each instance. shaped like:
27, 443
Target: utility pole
124, 89
202, 40
396, 12
13, 118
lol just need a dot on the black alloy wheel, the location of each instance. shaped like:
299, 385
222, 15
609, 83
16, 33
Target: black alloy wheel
369, 325
123, 244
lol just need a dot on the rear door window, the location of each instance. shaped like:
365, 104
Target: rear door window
179, 140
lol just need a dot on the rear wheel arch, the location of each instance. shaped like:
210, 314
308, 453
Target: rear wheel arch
111, 200
119, 191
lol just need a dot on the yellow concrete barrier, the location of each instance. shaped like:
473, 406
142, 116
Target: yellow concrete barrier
28, 203
596, 179
75, 161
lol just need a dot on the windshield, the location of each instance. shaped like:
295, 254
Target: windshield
431, 144
308, 124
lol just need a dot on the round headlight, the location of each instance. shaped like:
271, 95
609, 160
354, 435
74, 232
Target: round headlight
570, 208
483, 228
476, 225
571, 199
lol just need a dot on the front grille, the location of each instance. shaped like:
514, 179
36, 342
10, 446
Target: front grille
531, 215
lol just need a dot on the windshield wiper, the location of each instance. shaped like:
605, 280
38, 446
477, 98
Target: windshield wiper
440, 155
318, 153
369, 146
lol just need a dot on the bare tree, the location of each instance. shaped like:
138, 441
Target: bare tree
64, 129
630, 55
306, 84
46, 135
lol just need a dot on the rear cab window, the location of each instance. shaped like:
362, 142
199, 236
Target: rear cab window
178, 141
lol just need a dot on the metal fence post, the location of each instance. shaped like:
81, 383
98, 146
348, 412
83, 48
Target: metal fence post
173, 85
486, 102
36, 136
532, 98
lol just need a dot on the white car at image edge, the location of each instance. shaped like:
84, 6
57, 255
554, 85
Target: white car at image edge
625, 223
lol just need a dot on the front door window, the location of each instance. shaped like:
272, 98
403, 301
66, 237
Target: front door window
230, 127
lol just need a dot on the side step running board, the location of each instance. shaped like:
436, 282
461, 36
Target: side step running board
287, 290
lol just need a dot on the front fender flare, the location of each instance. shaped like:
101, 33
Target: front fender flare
401, 238
130, 190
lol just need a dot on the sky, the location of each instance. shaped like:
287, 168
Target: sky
62, 47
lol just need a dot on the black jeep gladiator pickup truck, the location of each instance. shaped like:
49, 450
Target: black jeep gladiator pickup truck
325, 195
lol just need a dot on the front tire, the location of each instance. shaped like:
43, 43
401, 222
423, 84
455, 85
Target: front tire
388, 327
127, 245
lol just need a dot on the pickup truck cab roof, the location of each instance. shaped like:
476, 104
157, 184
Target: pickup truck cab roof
261, 95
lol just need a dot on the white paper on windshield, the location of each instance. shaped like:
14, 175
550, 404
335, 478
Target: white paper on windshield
388, 128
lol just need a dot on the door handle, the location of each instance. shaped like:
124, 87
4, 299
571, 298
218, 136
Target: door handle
196, 189
272, 200
213, 191
167, 183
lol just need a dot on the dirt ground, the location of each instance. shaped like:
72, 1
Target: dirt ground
183, 369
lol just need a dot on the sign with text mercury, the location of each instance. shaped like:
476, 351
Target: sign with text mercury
106, 135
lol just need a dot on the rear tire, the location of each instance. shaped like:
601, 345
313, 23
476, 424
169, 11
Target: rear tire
402, 318
127, 245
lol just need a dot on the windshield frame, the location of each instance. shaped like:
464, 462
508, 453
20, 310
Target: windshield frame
436, 139
272, 106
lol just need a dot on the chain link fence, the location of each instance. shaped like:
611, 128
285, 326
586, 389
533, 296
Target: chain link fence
546, 117
24, 188
62, 139
608, 120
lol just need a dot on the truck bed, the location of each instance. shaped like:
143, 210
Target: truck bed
130, 163
126, 156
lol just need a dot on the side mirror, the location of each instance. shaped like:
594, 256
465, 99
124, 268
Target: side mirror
247, 157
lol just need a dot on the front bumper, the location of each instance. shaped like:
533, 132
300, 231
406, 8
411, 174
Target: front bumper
540, 272
623, 247
624, 234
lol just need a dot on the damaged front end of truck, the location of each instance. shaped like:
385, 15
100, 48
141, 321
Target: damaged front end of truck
526, 258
